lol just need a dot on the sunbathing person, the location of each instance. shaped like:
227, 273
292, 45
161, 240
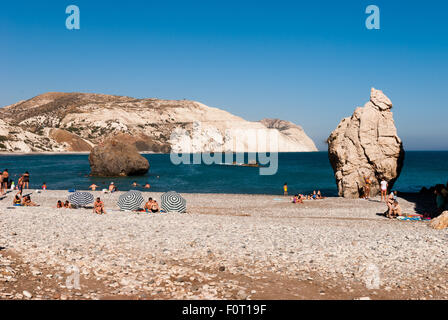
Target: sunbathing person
17, 200
319, 195
28, 203
67, 205
152, 206
59, 204
98, 206
297, 199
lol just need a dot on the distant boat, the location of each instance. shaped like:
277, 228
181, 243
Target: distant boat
253, 164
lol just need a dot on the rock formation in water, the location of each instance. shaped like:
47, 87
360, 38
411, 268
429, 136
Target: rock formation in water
366, 144
79, 121
117, 157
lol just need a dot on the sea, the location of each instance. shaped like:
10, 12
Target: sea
303, 172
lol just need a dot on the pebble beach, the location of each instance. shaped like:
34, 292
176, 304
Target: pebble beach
226, 247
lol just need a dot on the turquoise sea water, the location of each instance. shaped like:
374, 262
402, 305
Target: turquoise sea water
304, 172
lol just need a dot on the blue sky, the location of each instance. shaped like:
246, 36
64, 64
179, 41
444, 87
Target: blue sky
310, 62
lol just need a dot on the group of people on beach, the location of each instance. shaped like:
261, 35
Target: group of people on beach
6, 183
299, 198
24, 201
65, 204
150, 206
113, 188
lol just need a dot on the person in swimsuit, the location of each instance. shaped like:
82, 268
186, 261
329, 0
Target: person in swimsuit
297, 199
1, 183
367, 188
319, 195
154, 206
59, 204
5, 178
26, 180
395, 210
44, 186
112, 187
17, 200
28, 203
98, 206
93, 187
67, 205
20, 184
147, 186
384, 186
285, 189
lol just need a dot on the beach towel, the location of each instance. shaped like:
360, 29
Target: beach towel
410, 218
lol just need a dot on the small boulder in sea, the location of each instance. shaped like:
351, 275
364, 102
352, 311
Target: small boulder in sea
114, 157
441, 222
366, 145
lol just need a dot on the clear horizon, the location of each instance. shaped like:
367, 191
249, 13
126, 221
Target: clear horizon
311, 64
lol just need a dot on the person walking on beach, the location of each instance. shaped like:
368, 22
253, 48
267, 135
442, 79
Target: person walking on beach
285, 189
98, 206
367, 188
384, 186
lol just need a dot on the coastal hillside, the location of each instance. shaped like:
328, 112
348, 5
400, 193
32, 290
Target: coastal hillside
76, 122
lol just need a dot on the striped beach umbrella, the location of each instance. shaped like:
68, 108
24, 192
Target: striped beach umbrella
130, 200
80, 199
173, 202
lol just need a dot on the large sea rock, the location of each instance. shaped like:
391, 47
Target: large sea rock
117, 157
366, 144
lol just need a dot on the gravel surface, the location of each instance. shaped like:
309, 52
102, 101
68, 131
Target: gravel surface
226, 247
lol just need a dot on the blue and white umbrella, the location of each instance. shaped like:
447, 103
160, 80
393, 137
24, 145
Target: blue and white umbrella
173, 202
130, 200
80, 199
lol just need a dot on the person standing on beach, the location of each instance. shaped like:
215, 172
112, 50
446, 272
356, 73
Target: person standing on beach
1, 183
26, 180
367, 188
285, 189
20, 184
384, 186
5, 178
